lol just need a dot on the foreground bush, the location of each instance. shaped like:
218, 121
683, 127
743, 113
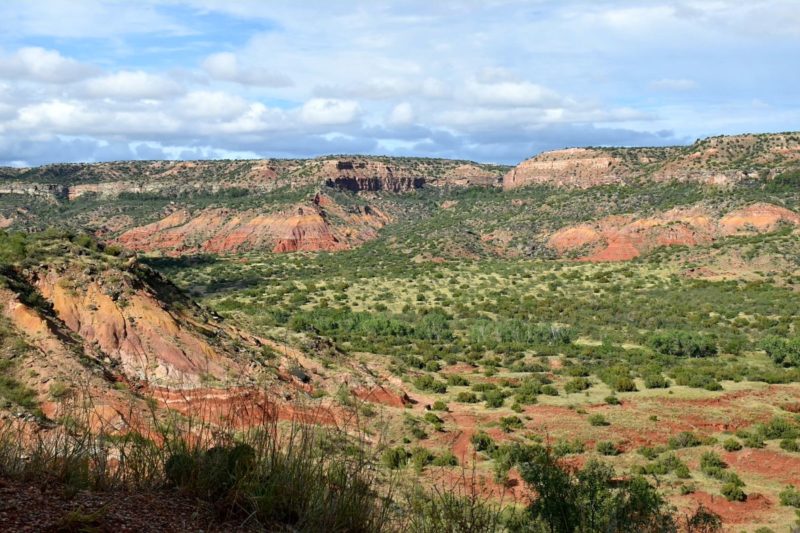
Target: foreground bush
298, 475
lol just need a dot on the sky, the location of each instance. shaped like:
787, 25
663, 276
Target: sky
487, 80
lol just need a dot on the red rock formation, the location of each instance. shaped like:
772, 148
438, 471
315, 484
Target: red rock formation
574, 167
620, 238
303, 228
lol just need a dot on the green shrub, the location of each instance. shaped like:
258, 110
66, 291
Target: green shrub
685, 439
733, 492
790, 496
482, 442
732, 445
439, 405
395, 458
576, 385
598, 420
467, 397
494, 399
682, 344
510, 423
454, 380
607, 448
445, 459
656, 381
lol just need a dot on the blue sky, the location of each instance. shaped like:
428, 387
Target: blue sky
490, 80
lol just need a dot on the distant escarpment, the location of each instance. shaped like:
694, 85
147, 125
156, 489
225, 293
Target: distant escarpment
716, 160
354, 173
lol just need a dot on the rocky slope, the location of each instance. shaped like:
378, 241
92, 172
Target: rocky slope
716, 160
318, 225
355, 173
122, 316
79, 321
620, 238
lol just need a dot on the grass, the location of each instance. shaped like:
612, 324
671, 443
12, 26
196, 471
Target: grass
297, 475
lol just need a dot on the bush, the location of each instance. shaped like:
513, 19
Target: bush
467, 397
733, 492
454, 380
494, 399
607, 448
482, 442
790, 445
394, 458
576, 385
563, 493
790, 496
427, 383
711, 460
732, 445
685, 439
439, 405
598, 420
445, 459
682, 344
510, 423
656, 381
782, 351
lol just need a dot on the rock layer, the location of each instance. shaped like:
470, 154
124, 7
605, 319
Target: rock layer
621, 238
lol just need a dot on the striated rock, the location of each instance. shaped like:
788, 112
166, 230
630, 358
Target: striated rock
574, 167
722, 160
364, 175
759, 217
306, 227
621, 238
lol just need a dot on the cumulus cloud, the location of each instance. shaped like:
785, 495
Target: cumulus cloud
496, 81
133, 85
217, 105
225, 66
513, 94
42, 65
329, 111
401, 114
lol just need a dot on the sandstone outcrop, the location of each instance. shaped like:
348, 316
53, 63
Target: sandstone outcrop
574, 167
320, 225
723, 160
621, 238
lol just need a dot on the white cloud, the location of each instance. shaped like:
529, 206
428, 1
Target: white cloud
225, 66
42, 65
329, 111
402, 114
133, 85
211, 105
512, 94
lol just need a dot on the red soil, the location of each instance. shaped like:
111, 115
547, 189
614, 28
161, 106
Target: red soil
744, 512
383, 396
767, 463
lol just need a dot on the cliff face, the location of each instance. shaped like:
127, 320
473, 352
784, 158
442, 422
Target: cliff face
574, 167
358, 173
714, 161
621, 238
122, 315
320, 225
362, 174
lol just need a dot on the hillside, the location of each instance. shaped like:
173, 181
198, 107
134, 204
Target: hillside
715, 160
630, 312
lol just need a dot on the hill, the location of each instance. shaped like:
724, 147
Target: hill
624, 313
